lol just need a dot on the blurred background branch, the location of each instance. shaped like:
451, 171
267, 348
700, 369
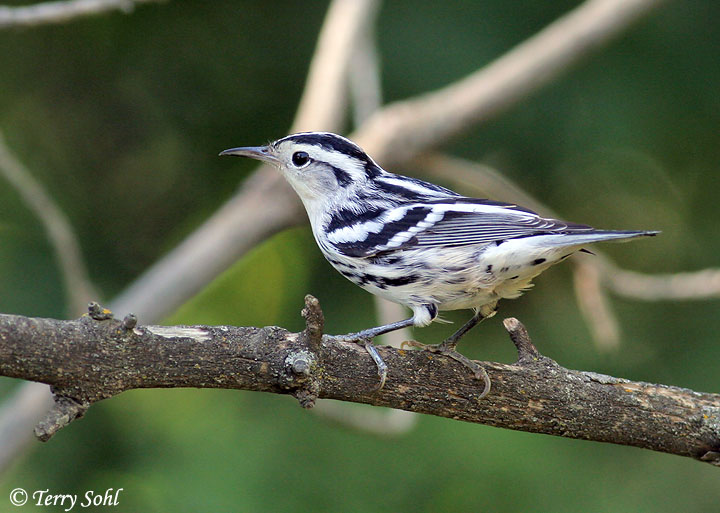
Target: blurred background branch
401, 130
365, 90
244, 220
62, 12
78, 287
702, 284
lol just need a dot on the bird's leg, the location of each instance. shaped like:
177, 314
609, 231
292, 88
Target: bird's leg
447, 348
450, 343
365, 337
377, 331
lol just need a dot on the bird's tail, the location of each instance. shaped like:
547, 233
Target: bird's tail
580, 238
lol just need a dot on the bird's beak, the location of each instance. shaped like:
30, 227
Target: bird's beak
254, 152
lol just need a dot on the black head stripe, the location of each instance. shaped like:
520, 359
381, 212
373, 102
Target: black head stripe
343, 177
330, 142
406, 189
372, 170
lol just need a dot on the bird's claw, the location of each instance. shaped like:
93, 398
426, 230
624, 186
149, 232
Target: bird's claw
416, 345
372, 351
449, 351
381, 365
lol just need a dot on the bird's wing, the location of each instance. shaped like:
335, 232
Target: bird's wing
447, 222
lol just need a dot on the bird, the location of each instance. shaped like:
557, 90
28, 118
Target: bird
417, 243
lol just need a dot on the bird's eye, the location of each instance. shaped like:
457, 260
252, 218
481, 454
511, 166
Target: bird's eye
300, 159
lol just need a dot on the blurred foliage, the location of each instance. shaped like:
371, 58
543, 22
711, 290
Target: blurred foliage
122, 116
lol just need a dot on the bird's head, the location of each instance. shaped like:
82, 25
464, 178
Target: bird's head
318, 165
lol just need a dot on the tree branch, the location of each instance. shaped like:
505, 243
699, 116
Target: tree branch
96, 357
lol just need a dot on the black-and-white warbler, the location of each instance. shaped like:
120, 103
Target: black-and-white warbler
416, 243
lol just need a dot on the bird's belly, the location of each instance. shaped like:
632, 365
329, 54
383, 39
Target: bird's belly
452, 278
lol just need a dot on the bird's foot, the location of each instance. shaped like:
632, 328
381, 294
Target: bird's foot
447, 348
372, 351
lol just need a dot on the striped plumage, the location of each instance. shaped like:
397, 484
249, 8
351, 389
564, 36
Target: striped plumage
414, 242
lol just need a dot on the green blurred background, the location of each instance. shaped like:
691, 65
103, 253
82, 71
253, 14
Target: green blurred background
122, 116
